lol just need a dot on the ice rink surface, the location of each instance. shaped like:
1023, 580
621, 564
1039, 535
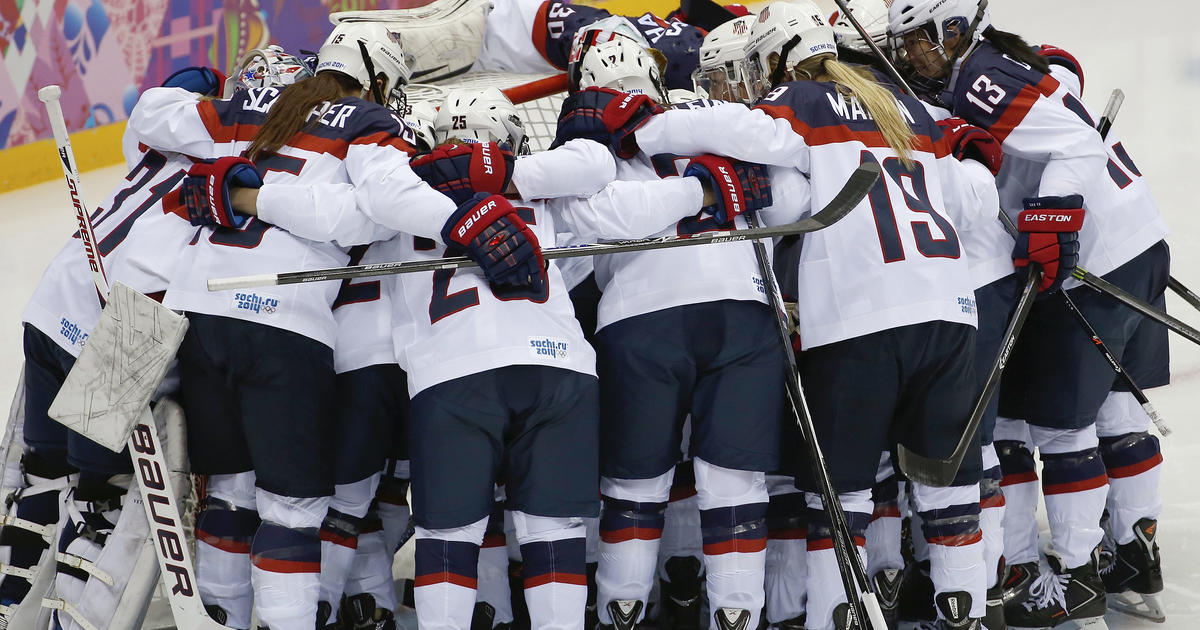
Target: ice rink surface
1150, 50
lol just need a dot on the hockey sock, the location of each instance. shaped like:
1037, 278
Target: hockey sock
681, 525
1075, 486
493, 585
45, 475
339, 535
883, 532
733, 523
631, 526
991, 515
371, 571
825, 590
224, 531
286, 559
785, 564
1019, 484
392, 502
1132, 457
950, 526
555, 569
447, 564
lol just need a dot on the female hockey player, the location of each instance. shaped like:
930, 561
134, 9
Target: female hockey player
249, 424
676, 337
1057, 162
907, 296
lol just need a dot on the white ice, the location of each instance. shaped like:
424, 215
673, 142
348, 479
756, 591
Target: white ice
1149, 50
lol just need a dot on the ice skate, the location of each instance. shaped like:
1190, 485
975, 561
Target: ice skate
1017, 578
732, 619
1064, 594
1133, 578
956, 612
887, 583
624, 614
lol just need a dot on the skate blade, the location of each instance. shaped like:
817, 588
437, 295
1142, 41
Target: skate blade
1091, 623
1138, 605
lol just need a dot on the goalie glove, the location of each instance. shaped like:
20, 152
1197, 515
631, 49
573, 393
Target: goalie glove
205, 190
607, 116
1048, 235
461, 170
738, 186
966, 141
488, 230
198, 79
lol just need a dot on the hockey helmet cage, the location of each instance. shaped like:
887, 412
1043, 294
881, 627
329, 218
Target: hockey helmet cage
598, 32
266, 67
420, 116
872, 15
480, 115
785, 34
723, 73
360, 49
622, 64
918, 30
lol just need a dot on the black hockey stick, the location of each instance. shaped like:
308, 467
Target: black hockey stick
877, 51
859, 594
941, 472
1106, 123
847, 198
1137, 304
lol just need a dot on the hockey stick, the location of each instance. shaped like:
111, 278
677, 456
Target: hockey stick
1137, 304
145, 446
859, 594
1106, 123
842, 203
877, 51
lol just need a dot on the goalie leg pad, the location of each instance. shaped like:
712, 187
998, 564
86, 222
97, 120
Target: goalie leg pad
34, 511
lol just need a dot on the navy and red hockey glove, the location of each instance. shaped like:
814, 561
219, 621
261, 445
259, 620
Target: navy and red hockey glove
461, 170
198, 79
738, 186
1048, 235
607, 116
1060, 57
205, 190
967, 141
488, 230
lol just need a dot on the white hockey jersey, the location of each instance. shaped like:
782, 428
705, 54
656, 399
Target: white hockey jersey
352, 141
897, 258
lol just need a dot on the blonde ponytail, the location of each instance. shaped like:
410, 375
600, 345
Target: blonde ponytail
880, 104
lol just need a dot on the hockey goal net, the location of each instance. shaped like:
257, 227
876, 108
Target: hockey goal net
538, 98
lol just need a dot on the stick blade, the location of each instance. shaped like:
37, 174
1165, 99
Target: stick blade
925, 470
852, 193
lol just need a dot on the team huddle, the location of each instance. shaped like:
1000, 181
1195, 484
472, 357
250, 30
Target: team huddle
642, 439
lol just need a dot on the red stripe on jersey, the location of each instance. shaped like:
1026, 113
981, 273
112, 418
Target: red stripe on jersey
1020, 106
556, 577
736, 545
1098, 481
385, 139
430, 579
834, 134
539, 33
1135, 469
219, 131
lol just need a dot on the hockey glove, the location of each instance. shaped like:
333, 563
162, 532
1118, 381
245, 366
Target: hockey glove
738, 186
198, 79
607, 116
487, 229
205, 190
461, 170
1048, 235
967, 141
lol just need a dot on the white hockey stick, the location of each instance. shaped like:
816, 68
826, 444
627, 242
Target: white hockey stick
145, 447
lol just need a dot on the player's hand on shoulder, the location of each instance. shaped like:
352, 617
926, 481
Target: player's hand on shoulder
733, 186
488, 230
459, 171
1048, 235
607, 116
206, 190
966, 141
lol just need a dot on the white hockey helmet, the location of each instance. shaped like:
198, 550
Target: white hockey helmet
363, 49
918, 32
420, 116
598, 32
480, 115
265, 67
723, 72
785, 34
872, 15
623, 64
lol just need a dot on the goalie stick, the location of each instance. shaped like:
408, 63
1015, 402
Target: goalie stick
1104, 126
145, 446
859, 593
859, 182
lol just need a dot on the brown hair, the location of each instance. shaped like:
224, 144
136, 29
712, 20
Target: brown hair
1016, 47
880, 104
292, 111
